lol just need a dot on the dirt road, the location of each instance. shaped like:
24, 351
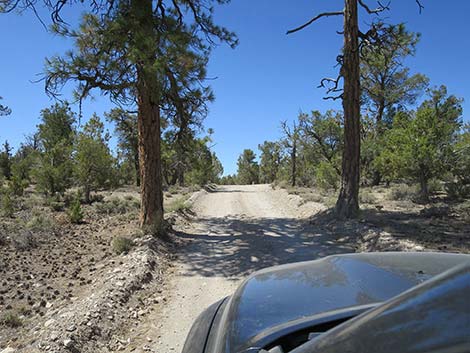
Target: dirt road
238, 229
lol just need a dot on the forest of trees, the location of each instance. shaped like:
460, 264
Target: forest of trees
61, 154
410, 132
151, 60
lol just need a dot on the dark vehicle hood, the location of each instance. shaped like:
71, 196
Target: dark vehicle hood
289, 294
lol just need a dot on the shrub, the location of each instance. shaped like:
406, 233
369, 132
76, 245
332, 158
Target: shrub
7, 206
366, 197
40, 222
463, 210
23, 240
117, 206
10, 319
96, 198
57, 206
403, 193
435, 186
282, 184
68, 198
311, 197
75, 211
18, 185
326, 176
456, 190
179, 205
122, 245
173, 189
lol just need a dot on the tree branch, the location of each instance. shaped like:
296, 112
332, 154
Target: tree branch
324, 14
379, 9
421, 7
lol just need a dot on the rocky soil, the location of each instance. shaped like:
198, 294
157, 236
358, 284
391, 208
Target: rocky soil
63, 288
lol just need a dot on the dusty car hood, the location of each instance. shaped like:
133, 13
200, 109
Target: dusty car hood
289, 293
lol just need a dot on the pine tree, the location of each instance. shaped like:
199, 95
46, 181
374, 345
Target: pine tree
93, 159
56, 136
131, 50
6, 160
347, 205
248, 169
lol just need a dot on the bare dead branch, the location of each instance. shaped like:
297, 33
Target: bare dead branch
325, 81
378, 10
334, 98
421, 7
324, 14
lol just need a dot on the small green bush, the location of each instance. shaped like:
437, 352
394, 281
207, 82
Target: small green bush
75, 211
57, 206
18, 185
117, 206
96, 198
366, 197
122, 245
311, 197
435, 186
172, 190
330, 201
11, 319
7, 205
68, 198
326, 176
403, 192
456, 190
179, 205
40, 222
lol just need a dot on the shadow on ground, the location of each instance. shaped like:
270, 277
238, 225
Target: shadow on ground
436, 231
236, 247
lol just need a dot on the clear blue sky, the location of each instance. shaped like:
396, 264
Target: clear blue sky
269, 77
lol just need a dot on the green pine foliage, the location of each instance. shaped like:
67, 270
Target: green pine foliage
420, 146
93, 160
56, 137
75, 211
7, 206
248, 168
270, 161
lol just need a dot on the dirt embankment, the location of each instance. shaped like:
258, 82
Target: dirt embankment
70, 287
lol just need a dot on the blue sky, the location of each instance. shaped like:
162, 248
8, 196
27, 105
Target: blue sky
268, 78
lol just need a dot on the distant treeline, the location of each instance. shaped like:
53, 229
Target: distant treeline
61, 154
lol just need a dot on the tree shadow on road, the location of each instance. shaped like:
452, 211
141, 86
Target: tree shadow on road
233, 247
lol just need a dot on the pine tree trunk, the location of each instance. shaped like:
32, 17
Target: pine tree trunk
377, 176
137, 168
181, 176
347, 205
87, 193
148, 122
294, 162
151, 212
423, 189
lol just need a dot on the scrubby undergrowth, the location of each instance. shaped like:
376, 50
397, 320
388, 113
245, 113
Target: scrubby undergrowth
54, 254
394, 219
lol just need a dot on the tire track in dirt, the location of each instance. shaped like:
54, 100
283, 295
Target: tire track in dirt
238, 230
